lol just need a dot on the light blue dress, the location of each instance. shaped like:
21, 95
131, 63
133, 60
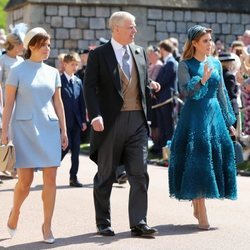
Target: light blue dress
202, 161
6, 63
34, 126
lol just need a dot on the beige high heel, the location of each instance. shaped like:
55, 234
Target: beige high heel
202, 215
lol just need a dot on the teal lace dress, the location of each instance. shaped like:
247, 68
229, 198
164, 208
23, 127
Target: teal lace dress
202, 161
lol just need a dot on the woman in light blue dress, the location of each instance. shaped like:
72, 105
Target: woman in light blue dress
37, 125
202, 162
13, 50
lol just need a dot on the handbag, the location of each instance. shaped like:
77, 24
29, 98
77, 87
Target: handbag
239, 158
7, 157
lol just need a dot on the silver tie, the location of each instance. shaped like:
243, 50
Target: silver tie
125, 64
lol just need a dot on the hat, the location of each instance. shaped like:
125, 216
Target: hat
31, 34
226, 57
83, 51
195, 30
102, 40
20, 30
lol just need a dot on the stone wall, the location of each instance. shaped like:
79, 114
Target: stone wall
77, 25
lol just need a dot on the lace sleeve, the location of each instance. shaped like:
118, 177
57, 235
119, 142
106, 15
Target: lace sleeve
190, 87
224, 102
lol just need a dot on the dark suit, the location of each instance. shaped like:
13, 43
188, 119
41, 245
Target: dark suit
75, 114
232, 89
125, 135
167, 78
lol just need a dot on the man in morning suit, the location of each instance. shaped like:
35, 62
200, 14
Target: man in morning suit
116, 92
75, 112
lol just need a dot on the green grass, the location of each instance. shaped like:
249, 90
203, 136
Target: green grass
244, 166
84, 148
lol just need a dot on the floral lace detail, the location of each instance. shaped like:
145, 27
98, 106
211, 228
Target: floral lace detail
196, 89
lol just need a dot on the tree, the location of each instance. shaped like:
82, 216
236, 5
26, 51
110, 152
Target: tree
3, 14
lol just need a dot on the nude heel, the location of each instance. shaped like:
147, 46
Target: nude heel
202, 215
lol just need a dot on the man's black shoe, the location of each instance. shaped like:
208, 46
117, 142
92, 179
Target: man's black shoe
143, 230
105, 230
75, 183
122, 179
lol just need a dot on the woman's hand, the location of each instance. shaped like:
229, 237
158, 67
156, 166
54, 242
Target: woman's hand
64, 141
232, 131
207, 73
4, 138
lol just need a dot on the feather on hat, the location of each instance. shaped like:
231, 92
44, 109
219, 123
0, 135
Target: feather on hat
20, 30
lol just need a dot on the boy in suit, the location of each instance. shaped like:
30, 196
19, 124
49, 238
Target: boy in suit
75, 112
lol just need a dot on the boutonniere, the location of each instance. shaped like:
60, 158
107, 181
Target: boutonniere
137, 51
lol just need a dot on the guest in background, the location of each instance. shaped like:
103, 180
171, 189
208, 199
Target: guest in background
155, 64
2, 41
34, 110
75, 112
60, 64
176, 53
14, 48
167, 78
227, 60
219, 46
84, 58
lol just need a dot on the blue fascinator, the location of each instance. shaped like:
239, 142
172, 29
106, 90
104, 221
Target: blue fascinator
195, 30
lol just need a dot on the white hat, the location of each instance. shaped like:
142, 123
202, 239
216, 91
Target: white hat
31, 34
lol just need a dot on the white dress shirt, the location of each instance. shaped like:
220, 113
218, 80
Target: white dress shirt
119, 52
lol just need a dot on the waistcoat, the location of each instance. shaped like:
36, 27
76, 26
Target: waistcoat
130, 90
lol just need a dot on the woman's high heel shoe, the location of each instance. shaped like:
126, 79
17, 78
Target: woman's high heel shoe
202, 216
49, 240
11, 231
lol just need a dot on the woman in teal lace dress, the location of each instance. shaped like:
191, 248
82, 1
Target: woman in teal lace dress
202, 162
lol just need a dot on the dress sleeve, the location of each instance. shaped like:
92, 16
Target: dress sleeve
190, 86
58, 80
224, 101
12, 78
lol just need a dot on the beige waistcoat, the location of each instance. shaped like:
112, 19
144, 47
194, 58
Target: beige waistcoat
130, 90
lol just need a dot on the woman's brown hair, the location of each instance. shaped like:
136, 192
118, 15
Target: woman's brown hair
37, 41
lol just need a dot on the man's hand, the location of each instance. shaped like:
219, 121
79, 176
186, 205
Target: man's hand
97, 124
84, 126
155, 86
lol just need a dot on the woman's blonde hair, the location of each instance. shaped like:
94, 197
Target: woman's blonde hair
11, 41
194, 34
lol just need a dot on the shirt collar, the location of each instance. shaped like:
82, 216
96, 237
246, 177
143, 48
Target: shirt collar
167, 57
69, 77
116, 45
